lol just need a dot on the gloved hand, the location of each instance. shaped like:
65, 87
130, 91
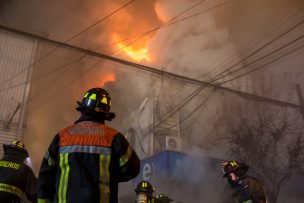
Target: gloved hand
243, 192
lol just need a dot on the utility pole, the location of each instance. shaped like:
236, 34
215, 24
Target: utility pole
301, 99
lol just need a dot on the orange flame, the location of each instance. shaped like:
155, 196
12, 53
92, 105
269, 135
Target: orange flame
111, 77
137, 55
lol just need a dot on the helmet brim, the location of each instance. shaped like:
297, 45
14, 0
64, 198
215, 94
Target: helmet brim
245, 168
9, 146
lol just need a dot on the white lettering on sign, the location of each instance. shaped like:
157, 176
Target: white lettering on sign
147, 172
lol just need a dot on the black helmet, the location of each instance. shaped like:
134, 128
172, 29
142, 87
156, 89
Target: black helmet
144, 186
162, 198
233, 166
96, 101
18, 146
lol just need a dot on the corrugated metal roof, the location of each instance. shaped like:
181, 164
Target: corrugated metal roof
16, 57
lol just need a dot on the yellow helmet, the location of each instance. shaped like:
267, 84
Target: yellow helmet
233, 166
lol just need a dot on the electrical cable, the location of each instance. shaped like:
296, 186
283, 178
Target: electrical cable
70, 39
260, 48
274, 28
263, 57
159, 27
264, 65
168, 23
44, 75
63, 87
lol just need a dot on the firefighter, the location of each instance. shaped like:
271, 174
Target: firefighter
16, 178
85, 161
162, 198
246, 189
144, 192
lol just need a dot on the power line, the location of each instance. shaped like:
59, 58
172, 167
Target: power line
70, 39
141, 35
279, 23
57, 78
99, 21
159, 27
44, 75
263, 57
215, 80
63, 87
195, 93
191, 113
150, 69
264, 65
258, 50
186, 10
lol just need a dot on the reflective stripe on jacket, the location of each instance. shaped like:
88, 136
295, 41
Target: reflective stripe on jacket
16, 179
84, 163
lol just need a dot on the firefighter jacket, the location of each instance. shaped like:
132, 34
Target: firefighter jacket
249, 190
84, 164
16, 178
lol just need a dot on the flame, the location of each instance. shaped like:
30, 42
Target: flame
137, 55
111, 77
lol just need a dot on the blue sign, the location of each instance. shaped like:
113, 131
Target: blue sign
160, 165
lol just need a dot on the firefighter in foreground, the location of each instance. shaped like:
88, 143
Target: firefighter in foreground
246, 189
85, 161
16, 178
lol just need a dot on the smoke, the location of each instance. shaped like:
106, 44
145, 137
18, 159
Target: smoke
191, 47
198, 47
195, 178
56, 88
194, 47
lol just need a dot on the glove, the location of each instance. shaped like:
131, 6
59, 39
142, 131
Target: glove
244, 194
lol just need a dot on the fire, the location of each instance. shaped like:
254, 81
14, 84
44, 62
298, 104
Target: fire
111, 77
137, 55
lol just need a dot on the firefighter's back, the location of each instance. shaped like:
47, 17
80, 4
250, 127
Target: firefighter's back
84, 163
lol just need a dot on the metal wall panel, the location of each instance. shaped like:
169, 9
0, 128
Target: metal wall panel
16, 57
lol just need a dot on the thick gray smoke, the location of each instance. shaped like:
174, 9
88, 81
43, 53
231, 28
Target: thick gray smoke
198, 47
191, 47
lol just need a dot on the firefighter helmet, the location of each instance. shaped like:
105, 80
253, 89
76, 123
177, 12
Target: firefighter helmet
233, 166
96, 101
16, 145
163, 198
144, 186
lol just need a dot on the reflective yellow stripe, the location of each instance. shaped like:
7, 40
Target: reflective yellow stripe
104, 100
11, 189
44, 201
125, 158
86, 95
49, 159
144, 184
93, 97
248, 201
64, 177
104, 178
